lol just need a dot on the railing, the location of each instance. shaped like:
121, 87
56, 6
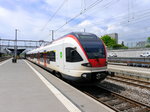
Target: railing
130, 59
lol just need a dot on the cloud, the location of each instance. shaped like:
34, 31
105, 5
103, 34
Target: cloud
110, 16
28, 24
90, 27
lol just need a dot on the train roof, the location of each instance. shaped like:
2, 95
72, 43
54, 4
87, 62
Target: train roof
79, 35
76, 34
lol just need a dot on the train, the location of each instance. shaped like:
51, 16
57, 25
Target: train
77, 56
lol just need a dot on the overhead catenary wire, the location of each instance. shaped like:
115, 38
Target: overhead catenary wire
121, 19
130, 19
103, 6
128, 10
88, 8
106, 5
50, 19
82, 12
135, 16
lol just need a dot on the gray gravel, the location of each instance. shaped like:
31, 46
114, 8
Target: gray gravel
135, 82
136, 93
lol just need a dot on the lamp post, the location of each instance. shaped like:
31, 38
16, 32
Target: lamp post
15, 47
84, 29
52, 33
0, 47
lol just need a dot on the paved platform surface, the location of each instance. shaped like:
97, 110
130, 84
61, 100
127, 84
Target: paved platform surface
21, 90
135, 70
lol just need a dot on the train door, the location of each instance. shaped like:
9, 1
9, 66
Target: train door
72, 58
44, 56
38, 57
60, 57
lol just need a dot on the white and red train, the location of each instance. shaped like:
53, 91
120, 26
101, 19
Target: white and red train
77, 56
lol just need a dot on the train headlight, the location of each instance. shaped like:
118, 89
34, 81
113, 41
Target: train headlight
86, 64
84, 75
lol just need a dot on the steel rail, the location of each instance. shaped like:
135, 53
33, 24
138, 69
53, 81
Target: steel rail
3, 58
122, 80
137, 80
126, 98
108, 98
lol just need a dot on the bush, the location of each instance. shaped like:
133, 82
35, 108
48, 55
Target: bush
148, 46
119, 46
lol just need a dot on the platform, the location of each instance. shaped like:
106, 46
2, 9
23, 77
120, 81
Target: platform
129, 69
25, 87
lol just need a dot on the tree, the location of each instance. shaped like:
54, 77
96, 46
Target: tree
109, 42
148, 40
148, 46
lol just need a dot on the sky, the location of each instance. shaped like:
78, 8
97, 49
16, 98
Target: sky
35, 19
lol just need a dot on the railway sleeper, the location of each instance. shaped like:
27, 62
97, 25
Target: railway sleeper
136, 109
101, 95
123, 106
105, 99
111, 100
144, 109
128, 106
114, 103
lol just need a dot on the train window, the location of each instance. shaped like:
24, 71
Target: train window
88, 36
51, 56
41, 55
35, 55
94, 48
72, 55
38, 55
31, 56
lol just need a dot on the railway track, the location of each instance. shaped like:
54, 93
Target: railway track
114, 100
130, 61
142, 65
4, 58
130, 81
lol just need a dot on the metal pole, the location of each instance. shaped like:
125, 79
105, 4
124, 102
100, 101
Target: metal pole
15, 45
0, 47
52, 35
84, 29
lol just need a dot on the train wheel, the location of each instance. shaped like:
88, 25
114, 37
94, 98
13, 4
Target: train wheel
58, 75
53, 72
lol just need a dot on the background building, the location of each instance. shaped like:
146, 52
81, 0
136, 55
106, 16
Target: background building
114, 35
141, 44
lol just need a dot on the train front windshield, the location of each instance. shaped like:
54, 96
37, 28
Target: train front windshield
93, 46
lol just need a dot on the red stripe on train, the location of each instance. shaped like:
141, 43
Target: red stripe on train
101, 62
